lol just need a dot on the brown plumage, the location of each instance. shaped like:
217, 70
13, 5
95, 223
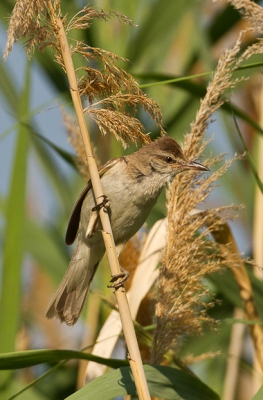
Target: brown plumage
132, 185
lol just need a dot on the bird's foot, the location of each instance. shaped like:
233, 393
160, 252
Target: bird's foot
118, 279
104, 204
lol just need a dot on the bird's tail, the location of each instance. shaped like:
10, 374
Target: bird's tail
69, 299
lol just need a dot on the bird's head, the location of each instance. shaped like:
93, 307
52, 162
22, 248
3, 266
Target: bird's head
166, 157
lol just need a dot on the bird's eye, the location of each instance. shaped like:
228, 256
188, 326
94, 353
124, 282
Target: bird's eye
169, 159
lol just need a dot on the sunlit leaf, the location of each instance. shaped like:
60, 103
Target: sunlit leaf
164, 382
24, 359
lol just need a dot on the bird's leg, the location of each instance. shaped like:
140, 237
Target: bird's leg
92, 224
104, 204
118, 279
94, 218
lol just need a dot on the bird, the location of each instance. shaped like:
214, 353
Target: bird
131, 186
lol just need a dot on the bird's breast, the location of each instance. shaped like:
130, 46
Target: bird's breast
130, 203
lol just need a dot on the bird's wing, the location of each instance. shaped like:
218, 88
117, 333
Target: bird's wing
74, 218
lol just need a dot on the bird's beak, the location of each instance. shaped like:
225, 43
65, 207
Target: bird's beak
196, 166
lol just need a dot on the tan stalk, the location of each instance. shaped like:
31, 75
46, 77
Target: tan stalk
258, 208
234, 352
127, 323
258, 211
228, 247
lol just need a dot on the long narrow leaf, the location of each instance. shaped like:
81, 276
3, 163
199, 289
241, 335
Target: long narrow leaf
164, 382
24, 359
50, 167
35, 381
7, 87
167, 80
14, 231
197, 90
68, 157
249, 158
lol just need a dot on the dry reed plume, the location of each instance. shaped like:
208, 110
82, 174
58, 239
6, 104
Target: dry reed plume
251, 11
190, 254
113, 95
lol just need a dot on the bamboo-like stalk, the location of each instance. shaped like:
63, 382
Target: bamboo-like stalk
127, 323
246, 293
234, 352
228, 247
258, 213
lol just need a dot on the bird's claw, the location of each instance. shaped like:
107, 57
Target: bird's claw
102, 204
118, 279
